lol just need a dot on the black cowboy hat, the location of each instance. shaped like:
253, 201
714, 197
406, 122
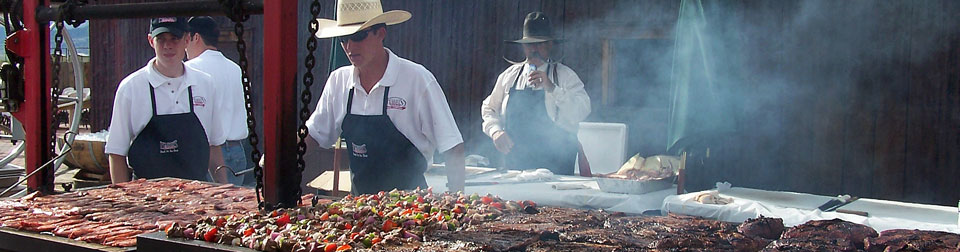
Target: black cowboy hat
536, 29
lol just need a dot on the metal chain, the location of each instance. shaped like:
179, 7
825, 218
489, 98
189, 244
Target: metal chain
55, 86
235, 12
305, 96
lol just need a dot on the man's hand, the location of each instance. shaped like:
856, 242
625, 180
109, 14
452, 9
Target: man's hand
119, 172
456, 172
502, 142
216, 160
539, 79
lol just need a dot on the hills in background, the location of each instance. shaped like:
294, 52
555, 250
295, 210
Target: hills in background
80, 35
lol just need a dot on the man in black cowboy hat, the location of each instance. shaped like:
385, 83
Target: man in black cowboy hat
534, 111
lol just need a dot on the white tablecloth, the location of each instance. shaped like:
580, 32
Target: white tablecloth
798, 208
543, 194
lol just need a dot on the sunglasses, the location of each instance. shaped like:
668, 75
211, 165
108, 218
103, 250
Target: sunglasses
357, 37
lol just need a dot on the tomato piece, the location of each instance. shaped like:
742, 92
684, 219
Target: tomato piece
348, 226
486, 199
344, 247
248, 232
353, 236
334, 210
529, 203
210, 235
388, 225
325, 216
331, 247
273, 214
220, 222
377, 240
498, 205
419, 199
283, 220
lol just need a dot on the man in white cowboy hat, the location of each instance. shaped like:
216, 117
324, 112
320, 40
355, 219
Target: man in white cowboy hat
535, 108
390, 111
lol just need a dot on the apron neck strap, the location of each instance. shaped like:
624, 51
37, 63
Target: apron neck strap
350, 101
153, 98
386, 93
190, 92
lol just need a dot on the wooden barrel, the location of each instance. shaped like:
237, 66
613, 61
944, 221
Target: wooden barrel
88, 156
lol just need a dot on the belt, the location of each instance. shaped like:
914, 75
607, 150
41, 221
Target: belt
234, 142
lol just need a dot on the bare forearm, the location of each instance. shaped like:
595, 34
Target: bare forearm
118, 169
456, 171
216, 160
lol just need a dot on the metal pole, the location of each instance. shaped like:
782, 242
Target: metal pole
33, 44
279, 88
148, 10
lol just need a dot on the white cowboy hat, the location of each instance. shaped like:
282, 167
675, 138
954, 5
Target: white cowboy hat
356, 15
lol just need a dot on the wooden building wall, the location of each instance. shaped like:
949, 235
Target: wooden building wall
830, 97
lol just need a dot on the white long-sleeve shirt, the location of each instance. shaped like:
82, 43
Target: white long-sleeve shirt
567, 105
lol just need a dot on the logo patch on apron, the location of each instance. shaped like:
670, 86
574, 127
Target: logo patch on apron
199, 101
169, 147
396, 103
359, 150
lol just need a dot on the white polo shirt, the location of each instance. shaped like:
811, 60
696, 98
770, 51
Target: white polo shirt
132, 108
227, 78
416, 106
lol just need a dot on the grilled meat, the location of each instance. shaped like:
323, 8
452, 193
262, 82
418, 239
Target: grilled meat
764, 227
806, 244
831, 230
913, 240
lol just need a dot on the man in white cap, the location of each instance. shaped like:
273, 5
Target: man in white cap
165, 121
390, 111
536, 106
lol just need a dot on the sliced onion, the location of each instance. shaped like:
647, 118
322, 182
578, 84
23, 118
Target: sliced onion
407, 234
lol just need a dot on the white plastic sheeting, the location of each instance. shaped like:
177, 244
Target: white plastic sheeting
798, 208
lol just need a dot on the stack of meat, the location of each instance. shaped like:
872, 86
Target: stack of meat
115, 214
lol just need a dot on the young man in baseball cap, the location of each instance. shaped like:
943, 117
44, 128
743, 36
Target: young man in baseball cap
164, 121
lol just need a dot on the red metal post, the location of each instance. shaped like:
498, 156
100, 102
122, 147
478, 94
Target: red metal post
35, 113
279, 101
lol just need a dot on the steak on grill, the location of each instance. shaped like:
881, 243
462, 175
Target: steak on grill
912, 240
767, 228
831, 230
806, 244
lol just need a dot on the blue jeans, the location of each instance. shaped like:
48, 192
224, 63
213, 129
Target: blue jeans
235, 157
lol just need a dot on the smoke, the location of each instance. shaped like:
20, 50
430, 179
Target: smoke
771, 81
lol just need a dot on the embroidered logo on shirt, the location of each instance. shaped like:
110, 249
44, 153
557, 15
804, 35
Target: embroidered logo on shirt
169, 147
396, 103
199, 101
359, 150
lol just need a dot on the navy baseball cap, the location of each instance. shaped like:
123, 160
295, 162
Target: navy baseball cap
174, 25
205, 25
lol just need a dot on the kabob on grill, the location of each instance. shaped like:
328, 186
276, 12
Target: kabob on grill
364, 221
